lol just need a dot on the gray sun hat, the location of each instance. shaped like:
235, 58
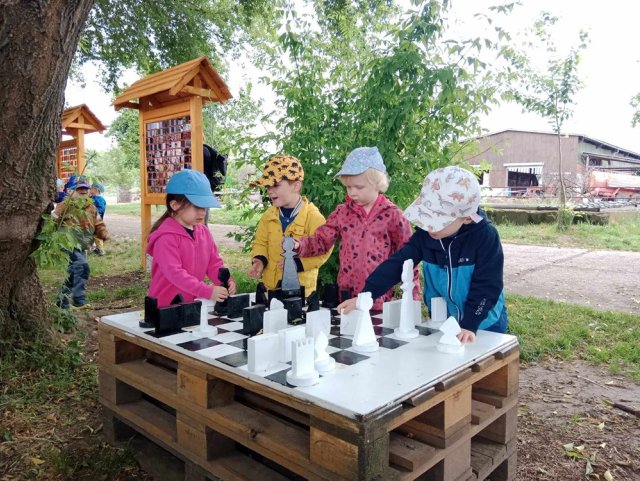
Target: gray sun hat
361, 159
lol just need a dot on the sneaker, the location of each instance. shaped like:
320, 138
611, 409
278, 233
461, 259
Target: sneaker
98, 252
78, 307
62, 304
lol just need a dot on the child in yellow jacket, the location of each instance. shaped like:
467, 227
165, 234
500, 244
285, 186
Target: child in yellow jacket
291, 214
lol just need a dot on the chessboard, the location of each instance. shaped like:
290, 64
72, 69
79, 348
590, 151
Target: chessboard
398, 368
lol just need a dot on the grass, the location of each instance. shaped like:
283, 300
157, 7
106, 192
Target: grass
227, 215
122, 257
622, 236
552, 329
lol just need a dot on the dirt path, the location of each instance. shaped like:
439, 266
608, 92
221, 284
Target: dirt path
605, 280
128, 227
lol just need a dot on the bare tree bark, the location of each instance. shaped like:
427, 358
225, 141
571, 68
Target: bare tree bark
38, 39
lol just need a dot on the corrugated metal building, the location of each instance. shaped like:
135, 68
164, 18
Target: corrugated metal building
525, 161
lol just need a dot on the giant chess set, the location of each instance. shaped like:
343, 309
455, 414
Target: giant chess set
351, 363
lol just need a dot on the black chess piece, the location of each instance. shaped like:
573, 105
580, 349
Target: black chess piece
274, 294
330, 296
176, 316
235, 305
313, 302
345, 294
220, 307
191, 313
293, 305
252, 319
261, 295
150, 313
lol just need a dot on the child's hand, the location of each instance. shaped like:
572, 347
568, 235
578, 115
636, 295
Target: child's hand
466, 336
256, 269
219, 293
232, 287
347, 306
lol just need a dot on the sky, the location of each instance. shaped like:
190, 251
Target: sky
610, 70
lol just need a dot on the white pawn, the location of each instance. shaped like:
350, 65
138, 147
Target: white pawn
324, 362
364, 338
406, 329
302, 372
449, 341
204, 329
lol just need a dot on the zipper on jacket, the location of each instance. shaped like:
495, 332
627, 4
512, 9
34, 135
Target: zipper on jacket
450, 277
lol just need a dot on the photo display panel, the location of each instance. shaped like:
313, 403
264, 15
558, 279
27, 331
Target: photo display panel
168, 150
68, 162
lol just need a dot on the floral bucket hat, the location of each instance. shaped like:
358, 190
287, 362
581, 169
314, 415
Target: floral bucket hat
447, 194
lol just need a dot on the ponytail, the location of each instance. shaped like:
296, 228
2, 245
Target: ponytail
182, 199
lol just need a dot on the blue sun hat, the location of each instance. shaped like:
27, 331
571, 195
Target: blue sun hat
98, 186
361, 159
194, 186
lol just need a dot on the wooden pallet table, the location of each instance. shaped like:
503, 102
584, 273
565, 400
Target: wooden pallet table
405, 413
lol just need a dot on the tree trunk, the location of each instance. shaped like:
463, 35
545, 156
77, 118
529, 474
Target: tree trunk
38, 39
563, 188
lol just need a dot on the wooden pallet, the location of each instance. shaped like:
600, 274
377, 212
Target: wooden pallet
223, 425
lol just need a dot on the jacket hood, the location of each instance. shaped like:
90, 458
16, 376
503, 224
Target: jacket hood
169, 226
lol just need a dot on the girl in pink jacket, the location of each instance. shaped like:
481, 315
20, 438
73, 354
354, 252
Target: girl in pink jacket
370, 226
182, 247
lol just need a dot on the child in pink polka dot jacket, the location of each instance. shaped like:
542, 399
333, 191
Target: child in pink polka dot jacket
370, 226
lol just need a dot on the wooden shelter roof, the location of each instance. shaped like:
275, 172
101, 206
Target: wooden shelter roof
177, 82
90, 123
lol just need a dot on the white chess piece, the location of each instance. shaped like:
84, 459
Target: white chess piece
318, 321
286, 338
204, 329
449, 341
348, 322
262, 352
323, 361
364, 338
406, 329
303, 372
438, 311
275, 318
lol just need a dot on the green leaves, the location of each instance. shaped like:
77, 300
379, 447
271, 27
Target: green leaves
54, 244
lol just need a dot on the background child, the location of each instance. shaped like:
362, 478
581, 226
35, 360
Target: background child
97, 189
60, 192
290, 214
460, 250
182, 248
370, 226
78, 213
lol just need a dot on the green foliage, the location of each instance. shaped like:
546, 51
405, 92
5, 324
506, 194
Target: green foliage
125, 130
62, 320
54, 244
380, 80
564, 219
39, 371
116, 168
549, 93
152, 35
